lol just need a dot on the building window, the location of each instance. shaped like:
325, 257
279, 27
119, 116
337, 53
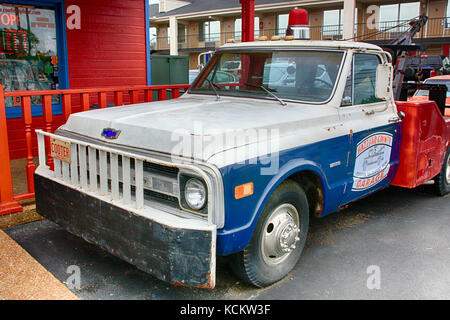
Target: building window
332, 28
28, 51
282, 24
332, 24
408, 11
181, 33
165, 32
153, 37
395, 14
447, 15
238, 28
209, 31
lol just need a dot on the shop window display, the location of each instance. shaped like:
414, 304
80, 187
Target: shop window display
28, 50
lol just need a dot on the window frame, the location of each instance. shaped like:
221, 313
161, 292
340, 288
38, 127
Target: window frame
353, 104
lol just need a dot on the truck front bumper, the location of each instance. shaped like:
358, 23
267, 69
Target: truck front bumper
177, 250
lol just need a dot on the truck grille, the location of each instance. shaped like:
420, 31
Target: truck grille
129, 178
122, 176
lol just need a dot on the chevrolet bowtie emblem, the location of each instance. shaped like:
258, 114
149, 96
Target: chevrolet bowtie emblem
110, 133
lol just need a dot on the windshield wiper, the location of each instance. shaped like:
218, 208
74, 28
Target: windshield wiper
213, 86
283, 103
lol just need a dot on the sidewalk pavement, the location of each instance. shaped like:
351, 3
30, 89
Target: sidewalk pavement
23, 278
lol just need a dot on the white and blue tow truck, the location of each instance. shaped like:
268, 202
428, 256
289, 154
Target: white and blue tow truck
238, 167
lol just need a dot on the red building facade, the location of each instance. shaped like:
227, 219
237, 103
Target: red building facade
110, 48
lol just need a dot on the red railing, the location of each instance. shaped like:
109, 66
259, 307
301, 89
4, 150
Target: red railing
72, 100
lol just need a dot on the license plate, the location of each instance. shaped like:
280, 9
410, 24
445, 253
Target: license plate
60, 149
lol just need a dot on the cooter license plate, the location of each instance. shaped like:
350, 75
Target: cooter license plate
60, 149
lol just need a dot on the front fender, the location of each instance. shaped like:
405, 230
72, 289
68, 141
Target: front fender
242, 214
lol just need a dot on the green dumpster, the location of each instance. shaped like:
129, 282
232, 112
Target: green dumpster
169, 70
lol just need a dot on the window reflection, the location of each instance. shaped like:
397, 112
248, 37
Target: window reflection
28, 50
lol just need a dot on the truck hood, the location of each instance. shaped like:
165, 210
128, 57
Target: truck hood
194, 126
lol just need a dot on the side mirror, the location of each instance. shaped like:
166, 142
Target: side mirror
346, 101
383, 81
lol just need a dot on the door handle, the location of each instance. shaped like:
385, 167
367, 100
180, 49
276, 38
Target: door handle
373, 111
395, 119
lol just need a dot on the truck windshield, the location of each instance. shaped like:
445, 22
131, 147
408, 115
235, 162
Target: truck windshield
301, 75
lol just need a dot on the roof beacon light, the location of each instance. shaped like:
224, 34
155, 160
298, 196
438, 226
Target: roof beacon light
298, 24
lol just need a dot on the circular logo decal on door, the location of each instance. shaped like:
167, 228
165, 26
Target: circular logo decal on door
372, 160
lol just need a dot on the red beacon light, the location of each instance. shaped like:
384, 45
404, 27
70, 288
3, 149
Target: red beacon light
298, 24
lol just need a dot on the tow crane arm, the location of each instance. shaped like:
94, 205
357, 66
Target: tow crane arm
399, 47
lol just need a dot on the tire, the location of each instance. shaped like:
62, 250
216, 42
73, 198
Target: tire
263, 262
442, 180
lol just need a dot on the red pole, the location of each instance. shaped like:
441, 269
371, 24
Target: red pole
28, 120
7, 202
48, 119
248, 20
244, 16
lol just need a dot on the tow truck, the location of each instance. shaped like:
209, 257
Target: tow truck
238, 169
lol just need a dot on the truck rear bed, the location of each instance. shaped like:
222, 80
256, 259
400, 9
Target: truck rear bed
425, 135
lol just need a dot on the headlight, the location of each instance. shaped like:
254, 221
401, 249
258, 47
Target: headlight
195, 194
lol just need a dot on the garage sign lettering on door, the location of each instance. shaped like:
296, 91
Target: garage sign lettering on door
372, 160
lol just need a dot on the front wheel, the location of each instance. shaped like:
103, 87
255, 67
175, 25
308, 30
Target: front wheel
442, 180
278, 238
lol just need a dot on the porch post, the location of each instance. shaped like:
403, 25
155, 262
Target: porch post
349, 19
7, 202
173, 35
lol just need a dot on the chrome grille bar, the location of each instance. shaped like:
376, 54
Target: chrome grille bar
121, 176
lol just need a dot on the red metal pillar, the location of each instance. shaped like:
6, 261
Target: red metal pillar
446, 50
248, 20
7, 202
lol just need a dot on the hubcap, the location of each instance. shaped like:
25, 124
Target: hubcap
281, 234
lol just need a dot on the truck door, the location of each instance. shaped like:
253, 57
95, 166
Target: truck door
372, 128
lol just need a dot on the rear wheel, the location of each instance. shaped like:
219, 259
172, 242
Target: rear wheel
442, 180
278, 239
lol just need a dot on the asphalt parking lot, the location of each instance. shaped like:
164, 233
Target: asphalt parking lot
404, 234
